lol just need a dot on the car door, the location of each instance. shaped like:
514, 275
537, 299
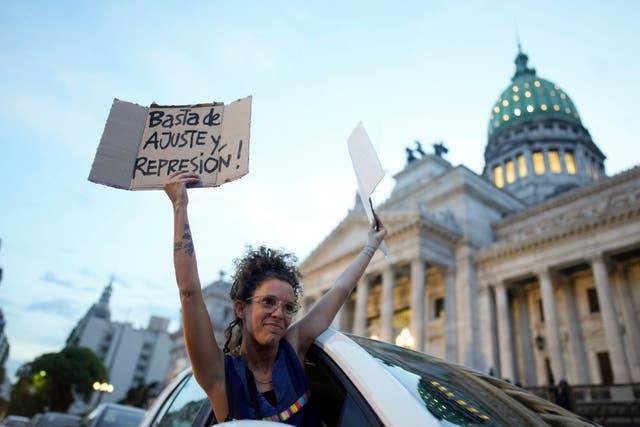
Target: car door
185, 405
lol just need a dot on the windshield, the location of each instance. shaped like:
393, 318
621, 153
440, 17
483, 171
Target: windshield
458, 396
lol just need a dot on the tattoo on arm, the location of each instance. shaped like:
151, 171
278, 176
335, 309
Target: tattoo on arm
186, 242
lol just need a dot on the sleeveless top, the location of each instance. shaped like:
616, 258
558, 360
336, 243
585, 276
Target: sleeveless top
289, 384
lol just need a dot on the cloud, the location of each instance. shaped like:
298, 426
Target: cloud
58, 307
49, 277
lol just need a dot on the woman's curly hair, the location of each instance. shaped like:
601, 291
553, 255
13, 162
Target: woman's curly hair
253, 268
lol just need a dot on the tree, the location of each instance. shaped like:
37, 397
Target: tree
53, 380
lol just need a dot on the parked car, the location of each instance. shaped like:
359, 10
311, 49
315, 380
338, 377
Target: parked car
54, 419
357, 381
14, 421
113, 415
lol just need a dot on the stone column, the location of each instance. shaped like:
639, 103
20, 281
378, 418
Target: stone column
576, 341
386, 311
417, 303
631, 325
362, 299
610, 319
450, 316
551, 326
337, 320
486, 309
526, 344
529, 159
504, 333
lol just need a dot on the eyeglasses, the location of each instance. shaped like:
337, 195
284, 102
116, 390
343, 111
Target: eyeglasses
270, 304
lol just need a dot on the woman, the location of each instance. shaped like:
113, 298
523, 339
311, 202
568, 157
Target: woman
262, 378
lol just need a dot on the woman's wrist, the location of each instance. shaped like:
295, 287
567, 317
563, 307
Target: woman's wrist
369, 250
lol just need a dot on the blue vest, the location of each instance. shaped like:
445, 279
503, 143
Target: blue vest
289, 385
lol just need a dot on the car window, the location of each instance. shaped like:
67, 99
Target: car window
185, 406
112, 417
458, 396
337, 401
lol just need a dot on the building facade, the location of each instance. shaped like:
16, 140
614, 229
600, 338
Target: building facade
132, 356
220, 308
530, 271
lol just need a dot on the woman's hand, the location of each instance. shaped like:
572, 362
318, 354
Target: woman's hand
377, 232
176, 187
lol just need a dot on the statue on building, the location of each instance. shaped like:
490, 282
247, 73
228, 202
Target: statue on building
419, 149
439, 148
410, 156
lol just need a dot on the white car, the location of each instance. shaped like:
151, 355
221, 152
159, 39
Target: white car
356, 381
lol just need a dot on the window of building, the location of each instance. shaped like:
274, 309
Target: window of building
522, 166
497, 177
592, 297
604, 363
510, 170
554, 162
538, 163
550, 378
570, 162
438, 308
541, 310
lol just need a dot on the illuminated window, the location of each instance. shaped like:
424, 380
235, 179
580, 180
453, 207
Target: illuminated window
554, 162
497, 177
515, 88
556, 107
527, 94
569, 162
510, 171
543, 107
505, 103
563, 96
522, 166
538, 163
516, 112
505, 117
536, 83
530, 108
496, 109
516, 98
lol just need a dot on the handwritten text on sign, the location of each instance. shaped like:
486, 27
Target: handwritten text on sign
211, 140
192, 139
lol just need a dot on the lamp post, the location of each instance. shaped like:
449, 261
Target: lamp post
102, 388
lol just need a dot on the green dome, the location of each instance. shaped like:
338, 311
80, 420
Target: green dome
529, 98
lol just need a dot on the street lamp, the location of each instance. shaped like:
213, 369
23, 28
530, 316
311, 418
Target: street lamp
103, 387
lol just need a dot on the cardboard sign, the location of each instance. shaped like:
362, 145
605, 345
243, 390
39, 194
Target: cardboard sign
140, 147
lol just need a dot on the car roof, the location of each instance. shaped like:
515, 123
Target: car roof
392, 403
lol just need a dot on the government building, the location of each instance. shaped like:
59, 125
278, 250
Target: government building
529, 272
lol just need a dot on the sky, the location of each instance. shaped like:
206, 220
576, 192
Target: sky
412, 70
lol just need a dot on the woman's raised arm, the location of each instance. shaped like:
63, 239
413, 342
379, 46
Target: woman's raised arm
319, 318
207, 360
